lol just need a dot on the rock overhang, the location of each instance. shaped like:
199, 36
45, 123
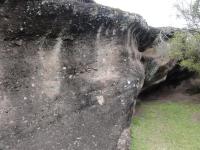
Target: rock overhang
70, 73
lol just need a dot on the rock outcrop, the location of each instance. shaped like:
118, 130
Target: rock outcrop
156, 60
70, 73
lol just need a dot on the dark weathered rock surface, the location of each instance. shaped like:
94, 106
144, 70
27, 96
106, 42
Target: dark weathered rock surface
160, 69
70, 72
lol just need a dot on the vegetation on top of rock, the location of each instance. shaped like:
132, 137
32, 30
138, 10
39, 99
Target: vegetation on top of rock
185, 46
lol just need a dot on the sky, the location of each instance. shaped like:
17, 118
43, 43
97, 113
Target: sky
157, 13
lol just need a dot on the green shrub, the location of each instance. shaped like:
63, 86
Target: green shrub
185, 48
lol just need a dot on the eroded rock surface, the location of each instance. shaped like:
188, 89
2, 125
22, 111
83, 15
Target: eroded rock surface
70, 73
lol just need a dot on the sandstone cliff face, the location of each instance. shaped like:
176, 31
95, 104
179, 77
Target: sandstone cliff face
70, 73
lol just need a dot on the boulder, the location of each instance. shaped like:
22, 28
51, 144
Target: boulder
70, 74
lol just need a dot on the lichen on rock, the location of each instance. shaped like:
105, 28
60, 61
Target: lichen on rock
70, 73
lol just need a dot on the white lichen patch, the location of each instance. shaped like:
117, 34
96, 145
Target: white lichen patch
33, 85
122, 102
100, 100
64, 68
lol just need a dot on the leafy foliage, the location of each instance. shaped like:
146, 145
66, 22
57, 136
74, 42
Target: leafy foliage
190, 12
185, 47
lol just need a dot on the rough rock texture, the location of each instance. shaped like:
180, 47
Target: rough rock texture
156, 60
70, 72
160, 69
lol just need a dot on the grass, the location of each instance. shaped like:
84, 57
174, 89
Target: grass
166, 126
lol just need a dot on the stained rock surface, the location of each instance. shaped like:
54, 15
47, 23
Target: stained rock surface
70, 73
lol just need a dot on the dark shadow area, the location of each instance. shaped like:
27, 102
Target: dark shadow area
2, 1
174, 79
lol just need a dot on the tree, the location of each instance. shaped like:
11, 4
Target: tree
185, 46
190, 12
